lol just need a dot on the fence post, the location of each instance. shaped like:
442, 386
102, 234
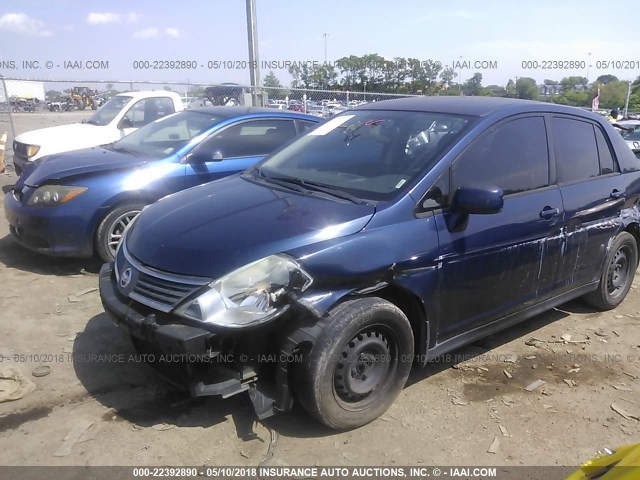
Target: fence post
3, 141
6, 96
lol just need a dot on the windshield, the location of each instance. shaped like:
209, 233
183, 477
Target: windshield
167, 135
107, 112
369, 154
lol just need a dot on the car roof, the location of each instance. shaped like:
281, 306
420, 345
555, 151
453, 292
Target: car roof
238, 111
149, 93
474, 106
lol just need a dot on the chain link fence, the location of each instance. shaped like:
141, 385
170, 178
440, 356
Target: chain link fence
27, 104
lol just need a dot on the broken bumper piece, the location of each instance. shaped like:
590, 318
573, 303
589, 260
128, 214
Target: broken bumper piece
184, 355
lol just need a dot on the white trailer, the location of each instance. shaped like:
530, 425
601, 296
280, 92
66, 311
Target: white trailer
22, 89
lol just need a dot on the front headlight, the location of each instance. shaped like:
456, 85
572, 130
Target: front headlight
32, 150
250, 295
53, 195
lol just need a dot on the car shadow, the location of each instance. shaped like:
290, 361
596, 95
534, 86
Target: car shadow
107, 366
109, 369
14, 255
521, 331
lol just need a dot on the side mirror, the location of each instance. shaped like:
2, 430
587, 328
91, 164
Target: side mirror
477, 200
125, 123
203, 157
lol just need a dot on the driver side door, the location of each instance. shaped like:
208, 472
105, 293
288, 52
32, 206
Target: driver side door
498, 264
235, 148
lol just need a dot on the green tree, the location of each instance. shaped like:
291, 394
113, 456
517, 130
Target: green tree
273, 87
570, 83
447, 75
495, 91
270, 80
473, 86
604, 79
511, 89
527, 88
571, 97
613, 95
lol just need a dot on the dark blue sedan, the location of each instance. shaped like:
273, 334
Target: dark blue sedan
383, 238
79, 203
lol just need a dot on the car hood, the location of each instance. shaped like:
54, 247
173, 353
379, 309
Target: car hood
212, 229
69, 137
79, 162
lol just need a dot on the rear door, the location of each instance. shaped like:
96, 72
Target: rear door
593, 192
501, 263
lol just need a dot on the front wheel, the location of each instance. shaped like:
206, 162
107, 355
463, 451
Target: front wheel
112, 227
617, 273
358, 365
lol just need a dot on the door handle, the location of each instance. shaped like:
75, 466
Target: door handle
616, 194
549, 212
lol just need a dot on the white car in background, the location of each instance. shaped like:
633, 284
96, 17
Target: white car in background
121, 115
632, 134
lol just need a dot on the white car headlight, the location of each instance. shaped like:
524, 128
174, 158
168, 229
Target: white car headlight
248, 296
32, 150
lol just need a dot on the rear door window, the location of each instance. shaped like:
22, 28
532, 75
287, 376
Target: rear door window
575, 149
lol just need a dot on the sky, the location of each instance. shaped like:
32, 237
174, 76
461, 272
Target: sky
213, 35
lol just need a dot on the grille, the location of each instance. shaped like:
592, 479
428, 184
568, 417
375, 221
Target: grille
160, 290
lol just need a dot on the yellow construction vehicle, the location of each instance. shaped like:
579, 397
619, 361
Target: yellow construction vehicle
83, 97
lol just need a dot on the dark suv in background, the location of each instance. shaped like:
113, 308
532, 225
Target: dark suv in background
384, 237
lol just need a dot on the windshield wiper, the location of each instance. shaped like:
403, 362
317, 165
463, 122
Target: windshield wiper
308, 186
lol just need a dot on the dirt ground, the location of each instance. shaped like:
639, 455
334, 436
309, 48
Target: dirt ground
448, 414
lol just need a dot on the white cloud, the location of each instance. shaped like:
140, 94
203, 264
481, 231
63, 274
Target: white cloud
153, 32
147, 33
22, 23
172, 32
95, 18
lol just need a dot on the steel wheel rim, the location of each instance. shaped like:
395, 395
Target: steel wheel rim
117, 229
366, 365
618, 272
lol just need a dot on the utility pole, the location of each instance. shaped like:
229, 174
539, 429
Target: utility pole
588, 67
254, 67
325, 35
460, 77
626, 103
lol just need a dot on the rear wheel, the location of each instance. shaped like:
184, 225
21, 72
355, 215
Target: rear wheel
617, 273
359, 364
112, 227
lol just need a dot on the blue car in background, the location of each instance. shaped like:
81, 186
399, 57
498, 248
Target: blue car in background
79, 203
387, 236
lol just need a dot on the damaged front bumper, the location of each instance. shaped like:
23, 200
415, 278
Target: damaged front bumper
204, 362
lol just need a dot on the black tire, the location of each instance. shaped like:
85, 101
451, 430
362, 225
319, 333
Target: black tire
372, 337
112, 225
617, 273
